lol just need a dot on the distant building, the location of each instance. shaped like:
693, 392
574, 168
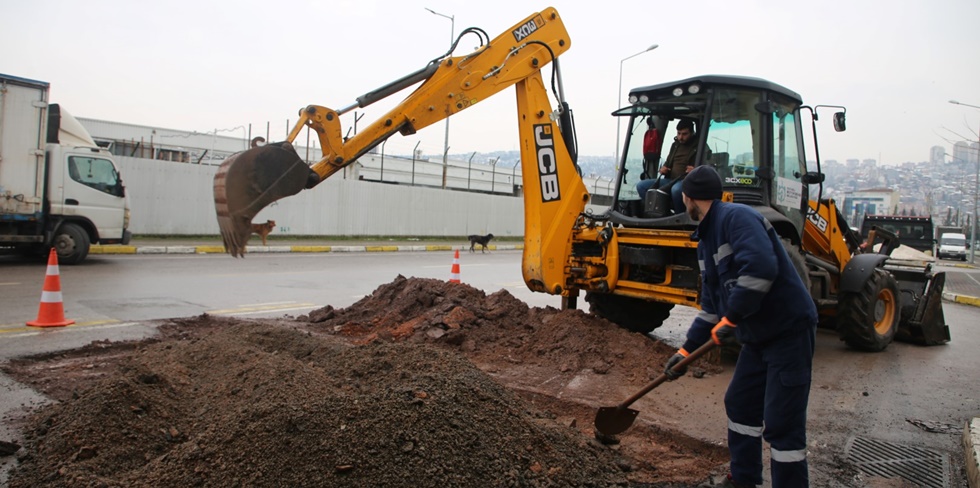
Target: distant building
877, 201
937, 155
965, 152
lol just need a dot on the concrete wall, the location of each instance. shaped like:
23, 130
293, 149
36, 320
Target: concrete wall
169, 198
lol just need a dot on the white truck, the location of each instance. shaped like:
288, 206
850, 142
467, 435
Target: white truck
952, 245
58, 188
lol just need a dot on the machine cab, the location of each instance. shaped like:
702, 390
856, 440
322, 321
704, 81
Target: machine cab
748, 129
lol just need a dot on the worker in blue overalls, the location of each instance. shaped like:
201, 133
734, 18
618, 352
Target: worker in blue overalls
752, 294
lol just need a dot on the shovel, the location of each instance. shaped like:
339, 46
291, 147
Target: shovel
610, 421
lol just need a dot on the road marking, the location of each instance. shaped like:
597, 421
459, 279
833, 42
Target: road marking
97, 325
968, 275
270, 311
7, 328
254, 309
12, 283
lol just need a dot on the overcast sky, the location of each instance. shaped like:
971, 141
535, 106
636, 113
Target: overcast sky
207, 65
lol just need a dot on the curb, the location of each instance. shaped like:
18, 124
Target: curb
971, 443
963, 299
214, 249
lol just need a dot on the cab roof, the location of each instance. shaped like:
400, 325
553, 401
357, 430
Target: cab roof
716, 80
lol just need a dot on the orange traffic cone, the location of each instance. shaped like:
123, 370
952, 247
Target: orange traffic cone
51, 313
454, 274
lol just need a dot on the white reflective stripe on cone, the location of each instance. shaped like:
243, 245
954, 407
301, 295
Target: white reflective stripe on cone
50, 297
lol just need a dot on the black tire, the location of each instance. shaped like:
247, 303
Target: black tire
869, 320
799, 263
632, 314
71, 243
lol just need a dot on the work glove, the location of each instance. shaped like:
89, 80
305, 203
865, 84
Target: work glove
673, 374
723, 332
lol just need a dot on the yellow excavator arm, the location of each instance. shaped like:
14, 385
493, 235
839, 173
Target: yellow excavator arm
554, 192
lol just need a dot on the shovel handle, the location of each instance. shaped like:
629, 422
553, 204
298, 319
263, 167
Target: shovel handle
694, 356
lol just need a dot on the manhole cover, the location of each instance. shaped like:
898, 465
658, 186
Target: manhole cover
922, 467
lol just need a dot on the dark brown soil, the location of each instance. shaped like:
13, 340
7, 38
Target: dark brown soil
422, 383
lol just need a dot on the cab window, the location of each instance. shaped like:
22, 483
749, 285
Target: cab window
733, 138
633, 160
788, 165
97, 173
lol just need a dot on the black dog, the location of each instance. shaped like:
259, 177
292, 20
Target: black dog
481, 240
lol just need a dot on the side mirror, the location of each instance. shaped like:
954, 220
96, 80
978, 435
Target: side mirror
813, 178
839, 125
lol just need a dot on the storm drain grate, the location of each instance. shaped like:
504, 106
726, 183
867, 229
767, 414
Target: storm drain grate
922, 467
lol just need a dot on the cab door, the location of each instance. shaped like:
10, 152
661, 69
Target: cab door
93, 190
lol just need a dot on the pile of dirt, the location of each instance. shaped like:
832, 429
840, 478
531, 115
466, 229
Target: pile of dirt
422, 383
253, 404
495, 330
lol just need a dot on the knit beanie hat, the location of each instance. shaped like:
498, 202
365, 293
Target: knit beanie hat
702, 183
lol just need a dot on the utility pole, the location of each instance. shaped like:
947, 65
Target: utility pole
452, 38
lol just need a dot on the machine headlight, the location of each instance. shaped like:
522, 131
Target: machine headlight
633, 99
694, 89
678, 91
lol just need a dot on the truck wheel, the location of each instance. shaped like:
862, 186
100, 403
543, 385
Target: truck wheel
632, 314
71, 243
869, 319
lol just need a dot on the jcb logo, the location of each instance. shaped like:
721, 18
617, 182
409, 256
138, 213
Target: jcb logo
818, 220
739, 181
544, 145
528, 28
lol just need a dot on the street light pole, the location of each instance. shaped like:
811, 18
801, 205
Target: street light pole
976, 190
452, 38
619, 96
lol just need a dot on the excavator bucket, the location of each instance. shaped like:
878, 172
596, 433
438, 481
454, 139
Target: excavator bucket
922, 319
250, 180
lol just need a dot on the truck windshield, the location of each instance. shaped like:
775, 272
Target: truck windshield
96, 173
952, 241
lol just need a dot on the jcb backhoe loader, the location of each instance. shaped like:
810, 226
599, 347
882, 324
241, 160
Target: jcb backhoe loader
635, 261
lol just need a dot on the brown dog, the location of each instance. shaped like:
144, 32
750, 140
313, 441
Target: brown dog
263, 230
481, 240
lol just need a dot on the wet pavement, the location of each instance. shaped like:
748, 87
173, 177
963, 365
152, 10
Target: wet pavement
962, 280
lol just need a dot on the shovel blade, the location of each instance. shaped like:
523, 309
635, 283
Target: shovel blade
614, 420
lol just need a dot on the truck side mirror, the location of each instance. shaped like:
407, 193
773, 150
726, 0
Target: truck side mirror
839, 125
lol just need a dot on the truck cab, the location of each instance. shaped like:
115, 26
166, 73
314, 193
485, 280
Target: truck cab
952, 245
58, 188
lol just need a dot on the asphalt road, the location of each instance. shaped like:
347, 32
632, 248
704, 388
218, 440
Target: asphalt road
902, 395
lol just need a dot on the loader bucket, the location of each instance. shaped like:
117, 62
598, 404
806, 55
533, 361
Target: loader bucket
922, 320
250, 180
